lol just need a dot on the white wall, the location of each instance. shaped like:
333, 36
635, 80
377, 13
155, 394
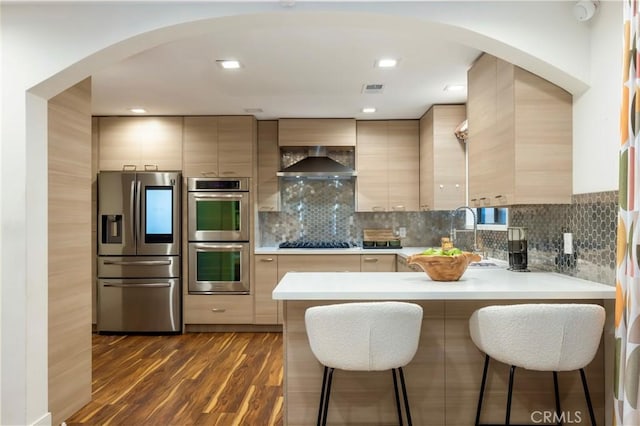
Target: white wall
596, 122
49, 47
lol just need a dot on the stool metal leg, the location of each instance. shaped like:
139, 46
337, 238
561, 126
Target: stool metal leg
322, 391
586, 395
326, 397
511, 373
406, 398
555, 387
395, 389
484, 381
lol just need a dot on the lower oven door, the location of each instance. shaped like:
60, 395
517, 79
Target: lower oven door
219, 268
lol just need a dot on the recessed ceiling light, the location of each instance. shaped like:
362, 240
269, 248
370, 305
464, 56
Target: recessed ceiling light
453, 87
386, 63
138, 110
228, 64
368, 110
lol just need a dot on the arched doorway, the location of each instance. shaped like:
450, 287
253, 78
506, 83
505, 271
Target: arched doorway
21, 303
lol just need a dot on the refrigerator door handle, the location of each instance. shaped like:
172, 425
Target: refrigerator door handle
145, 285
137, 262
132, 211
138, 216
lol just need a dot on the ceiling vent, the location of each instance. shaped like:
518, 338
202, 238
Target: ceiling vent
372, 88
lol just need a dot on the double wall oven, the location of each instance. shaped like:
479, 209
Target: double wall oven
218, 228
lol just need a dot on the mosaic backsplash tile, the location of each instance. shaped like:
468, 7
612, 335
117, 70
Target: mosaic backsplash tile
325, 210
591, 218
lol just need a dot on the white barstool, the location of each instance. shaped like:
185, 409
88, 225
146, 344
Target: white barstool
541, 337
368, 336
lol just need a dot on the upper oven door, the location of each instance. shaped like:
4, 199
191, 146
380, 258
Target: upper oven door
218, 216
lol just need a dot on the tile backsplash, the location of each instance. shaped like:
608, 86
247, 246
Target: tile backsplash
591, 218
322, 210
325, 210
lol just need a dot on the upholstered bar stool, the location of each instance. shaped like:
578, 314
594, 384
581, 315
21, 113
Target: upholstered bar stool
368, 336
541, 337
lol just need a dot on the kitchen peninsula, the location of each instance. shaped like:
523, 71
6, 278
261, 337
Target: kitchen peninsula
443, 379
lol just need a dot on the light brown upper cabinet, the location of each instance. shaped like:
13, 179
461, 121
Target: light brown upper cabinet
520, 136
268, 165
317, 132
219, 146
442, 159
387, 162
140, 143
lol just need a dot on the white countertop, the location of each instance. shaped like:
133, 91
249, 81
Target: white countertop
405, 251
475, 284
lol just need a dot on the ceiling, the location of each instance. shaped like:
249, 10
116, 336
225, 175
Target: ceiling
293, 65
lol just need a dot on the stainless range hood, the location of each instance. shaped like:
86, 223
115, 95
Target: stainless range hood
317, 165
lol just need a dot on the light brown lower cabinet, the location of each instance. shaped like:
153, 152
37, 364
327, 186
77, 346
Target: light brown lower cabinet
317, 263
267, 310
443, 379
378, 263
259, 307
218, 309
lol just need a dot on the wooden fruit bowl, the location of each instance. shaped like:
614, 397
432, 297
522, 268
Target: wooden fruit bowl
444, 268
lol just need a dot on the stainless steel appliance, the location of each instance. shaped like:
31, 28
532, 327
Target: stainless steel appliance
308, 244
139, 252
218, 209
517, 248
218, 224
219, 268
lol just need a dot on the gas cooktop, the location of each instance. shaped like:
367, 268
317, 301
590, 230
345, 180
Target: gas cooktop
316, 244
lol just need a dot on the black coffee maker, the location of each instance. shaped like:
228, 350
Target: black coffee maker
517, 247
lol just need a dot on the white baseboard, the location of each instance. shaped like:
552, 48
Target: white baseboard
45, 420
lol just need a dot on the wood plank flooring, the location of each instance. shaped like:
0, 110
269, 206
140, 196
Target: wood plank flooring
188, 379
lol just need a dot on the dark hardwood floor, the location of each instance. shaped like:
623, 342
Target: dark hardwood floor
189, 379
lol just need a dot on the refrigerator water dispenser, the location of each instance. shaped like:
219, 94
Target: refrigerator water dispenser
111, 229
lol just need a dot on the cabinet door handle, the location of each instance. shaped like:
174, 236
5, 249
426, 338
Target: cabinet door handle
266, 208
151, 167
218, 310
228, 173
268, 259
424, 207
370, 259
498, 196
208, 174
474, 199
128, 167
399, 207
377, 209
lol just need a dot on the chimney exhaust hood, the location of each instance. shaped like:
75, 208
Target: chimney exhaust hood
317, 165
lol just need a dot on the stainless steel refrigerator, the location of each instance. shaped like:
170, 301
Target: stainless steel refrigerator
139, 285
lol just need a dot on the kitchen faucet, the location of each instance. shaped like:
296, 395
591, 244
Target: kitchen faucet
452, 230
